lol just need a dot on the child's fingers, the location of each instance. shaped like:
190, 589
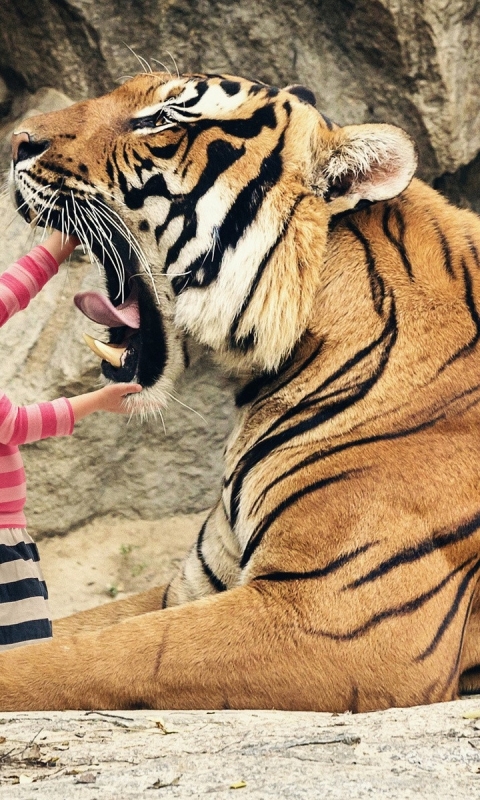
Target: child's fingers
128, 388
60, 246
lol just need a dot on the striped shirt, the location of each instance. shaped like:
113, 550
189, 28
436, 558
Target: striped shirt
18, 425
24, 612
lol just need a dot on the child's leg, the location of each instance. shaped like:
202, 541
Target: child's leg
24, 612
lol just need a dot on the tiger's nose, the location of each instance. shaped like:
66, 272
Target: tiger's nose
24, 146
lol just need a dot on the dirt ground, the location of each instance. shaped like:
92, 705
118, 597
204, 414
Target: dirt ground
110, 558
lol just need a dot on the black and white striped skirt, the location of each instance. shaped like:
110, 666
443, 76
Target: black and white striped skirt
24, 613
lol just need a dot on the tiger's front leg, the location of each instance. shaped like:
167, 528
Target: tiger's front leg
251, 647
110, 613
224, 650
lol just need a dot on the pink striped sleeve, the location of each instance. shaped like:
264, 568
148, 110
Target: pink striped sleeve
23, 280
56, 419
12, 507
14, 477
9, 463
65, 416
45, 260
21, 424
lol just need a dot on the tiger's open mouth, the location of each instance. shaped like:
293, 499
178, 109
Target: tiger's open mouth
120, 360
136, 348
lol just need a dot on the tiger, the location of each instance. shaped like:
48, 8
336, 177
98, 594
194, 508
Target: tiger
339, 569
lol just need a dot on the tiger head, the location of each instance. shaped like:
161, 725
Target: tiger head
207, 199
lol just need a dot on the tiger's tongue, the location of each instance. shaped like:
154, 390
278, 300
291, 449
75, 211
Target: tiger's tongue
100, 309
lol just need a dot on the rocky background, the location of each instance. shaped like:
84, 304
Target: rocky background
401, 61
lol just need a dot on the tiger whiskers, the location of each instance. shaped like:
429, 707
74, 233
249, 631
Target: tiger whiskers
142, 61
111, 217
46, 206
92, 220
163, 421
82, 233
103, 240
99, 219
26, 204
148, 403
161, 64
105, 214
211, 250
89, 212
172, 397
165, 68
174, 63
216, 239
47, 221
144, 413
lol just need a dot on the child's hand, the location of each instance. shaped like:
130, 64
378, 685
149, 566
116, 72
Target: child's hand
110, 398
60, 246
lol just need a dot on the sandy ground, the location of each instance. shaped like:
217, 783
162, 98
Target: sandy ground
111, 558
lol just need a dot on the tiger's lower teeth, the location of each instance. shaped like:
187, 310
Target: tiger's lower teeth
113, 353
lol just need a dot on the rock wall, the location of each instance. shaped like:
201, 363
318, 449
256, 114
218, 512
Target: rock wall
413, 64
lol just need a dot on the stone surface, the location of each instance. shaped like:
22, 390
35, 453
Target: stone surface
426, 752
381, 60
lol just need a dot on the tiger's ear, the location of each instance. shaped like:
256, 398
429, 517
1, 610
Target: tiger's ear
364, 164
303, 93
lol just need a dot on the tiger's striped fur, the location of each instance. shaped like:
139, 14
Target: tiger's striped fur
339, 568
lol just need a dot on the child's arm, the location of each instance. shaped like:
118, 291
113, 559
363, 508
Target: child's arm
109, 398
23, 280
18, 285
22, 424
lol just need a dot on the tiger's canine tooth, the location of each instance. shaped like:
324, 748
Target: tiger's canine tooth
109, 352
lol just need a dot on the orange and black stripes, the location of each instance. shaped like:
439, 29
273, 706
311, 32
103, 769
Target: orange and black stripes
344, 296
407, 608
217, 584
318, 406
392, 212
377, 286
245, 342
472, 310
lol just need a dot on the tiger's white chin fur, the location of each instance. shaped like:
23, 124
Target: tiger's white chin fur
150, 402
